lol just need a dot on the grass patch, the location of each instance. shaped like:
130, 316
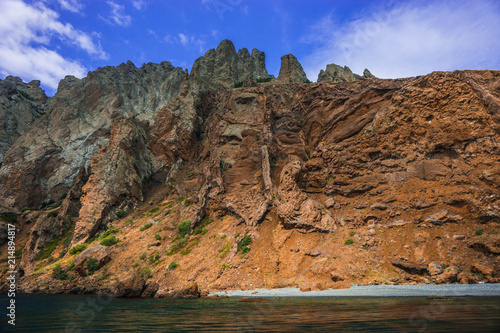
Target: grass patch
223, 250
77, 248
92, 265
51, 246
146, 226
243, 245
177, 245
53, 213
109, 241
121, 214
158, 237
58, 273
349, 241
200, 229
479, 231
267, 79
8, 217
109, 232
146, 273
154, 210
154, 258
173, 265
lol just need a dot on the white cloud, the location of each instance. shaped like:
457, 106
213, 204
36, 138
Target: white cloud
411, 39
27, 31
117, 15
71, 5
187, 41
183, 39
139, 4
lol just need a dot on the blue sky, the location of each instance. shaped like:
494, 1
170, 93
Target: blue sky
48, 39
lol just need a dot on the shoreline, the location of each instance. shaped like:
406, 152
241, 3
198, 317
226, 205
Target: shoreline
444, 290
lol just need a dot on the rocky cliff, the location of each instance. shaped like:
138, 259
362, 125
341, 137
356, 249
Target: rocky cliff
179, 184
20, 104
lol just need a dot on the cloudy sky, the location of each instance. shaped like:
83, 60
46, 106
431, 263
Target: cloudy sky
48, 39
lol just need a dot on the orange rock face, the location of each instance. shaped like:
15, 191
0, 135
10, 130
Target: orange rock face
293, 185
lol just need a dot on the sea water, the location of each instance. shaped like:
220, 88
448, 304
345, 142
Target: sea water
65, 313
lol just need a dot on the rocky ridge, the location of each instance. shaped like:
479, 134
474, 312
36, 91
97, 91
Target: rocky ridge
267, 184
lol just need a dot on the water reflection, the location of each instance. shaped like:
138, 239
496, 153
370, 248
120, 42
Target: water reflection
61, 313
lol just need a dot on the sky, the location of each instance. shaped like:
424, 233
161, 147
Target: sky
48, 39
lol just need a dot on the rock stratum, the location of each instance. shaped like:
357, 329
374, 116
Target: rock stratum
157, 182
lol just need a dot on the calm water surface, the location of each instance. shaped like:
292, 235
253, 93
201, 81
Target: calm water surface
63, 313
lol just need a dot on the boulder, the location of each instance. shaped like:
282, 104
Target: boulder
485, 271
488, 245
329, 203
449, 275
410, 267
434, 268
99, 252
336, 276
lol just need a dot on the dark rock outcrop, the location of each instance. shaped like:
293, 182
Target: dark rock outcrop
224, 68
291, 70
20, 104
44, 162
335, 73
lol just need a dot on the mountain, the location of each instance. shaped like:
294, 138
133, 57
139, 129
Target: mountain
153, 181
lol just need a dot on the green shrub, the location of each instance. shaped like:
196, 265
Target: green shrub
143, 256
58, 273
121, 214
92, 265
479, 231
157, 237
186, 203
110, 231
135, 264
146, 274
351, 233
267, 79
224, 249
172, 266
25, 209
146, 226
177, 245
184, 227
243, 245
349, 241
8, 217
53, 213
154, 257
77, 248
109, 241
238, 85
154, 210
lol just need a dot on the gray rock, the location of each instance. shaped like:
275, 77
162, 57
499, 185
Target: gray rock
291, 70
335, 73
76, 125
224, 68
20, 105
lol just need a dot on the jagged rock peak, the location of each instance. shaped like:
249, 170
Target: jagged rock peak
224, 67
291, 70
336, 73
20, 104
